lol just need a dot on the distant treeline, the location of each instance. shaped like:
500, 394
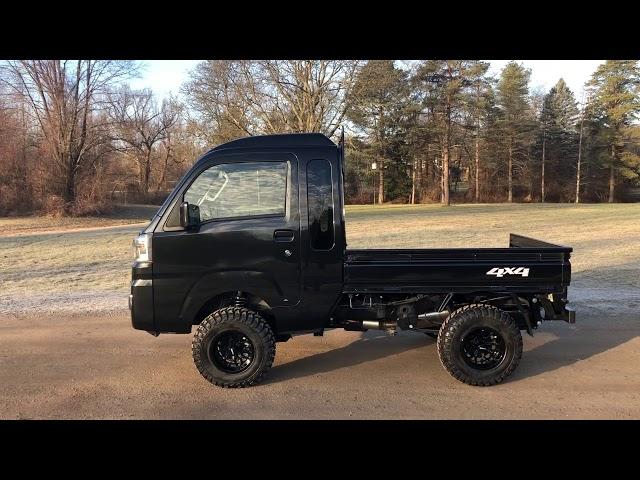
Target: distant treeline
74, 137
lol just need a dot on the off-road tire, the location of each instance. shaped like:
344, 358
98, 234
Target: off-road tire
464, 320
249, 323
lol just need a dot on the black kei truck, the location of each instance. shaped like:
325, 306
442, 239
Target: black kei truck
250, 248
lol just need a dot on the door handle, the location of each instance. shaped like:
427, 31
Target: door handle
283, 236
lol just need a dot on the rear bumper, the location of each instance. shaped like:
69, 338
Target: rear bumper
556, 308
568, 314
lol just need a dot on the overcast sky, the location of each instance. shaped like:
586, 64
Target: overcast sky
166, 76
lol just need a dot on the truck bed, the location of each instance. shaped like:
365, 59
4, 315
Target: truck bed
527, 265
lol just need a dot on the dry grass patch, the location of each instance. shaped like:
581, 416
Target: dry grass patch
89, 269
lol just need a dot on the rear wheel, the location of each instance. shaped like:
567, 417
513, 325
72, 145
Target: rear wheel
233, 347
479, 345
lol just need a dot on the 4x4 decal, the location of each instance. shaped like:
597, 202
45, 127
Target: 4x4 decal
501, 272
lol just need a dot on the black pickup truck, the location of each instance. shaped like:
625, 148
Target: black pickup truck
250, 248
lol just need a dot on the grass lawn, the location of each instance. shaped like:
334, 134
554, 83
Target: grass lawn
130, 214
602, 235
86, 264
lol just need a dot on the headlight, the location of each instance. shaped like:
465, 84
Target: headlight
142, 248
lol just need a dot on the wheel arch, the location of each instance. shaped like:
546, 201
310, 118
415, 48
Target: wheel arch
210, 291
227, 298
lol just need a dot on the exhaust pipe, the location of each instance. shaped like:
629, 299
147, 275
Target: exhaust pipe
426, 320
378, 325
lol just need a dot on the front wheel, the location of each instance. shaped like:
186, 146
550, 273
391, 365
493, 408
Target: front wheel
233, 347
479, 345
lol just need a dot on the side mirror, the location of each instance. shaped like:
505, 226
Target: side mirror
189, 216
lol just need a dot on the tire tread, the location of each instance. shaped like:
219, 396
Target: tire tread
226, 315
454, 322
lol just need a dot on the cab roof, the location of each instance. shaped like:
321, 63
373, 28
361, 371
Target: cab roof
281, 140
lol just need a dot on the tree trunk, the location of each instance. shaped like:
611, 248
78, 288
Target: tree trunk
530, 195
382, 152
381, 185
374, 188
163, 174
445, 177
419, 170
544, 143
579, 165
425, 175
445, 169
69, 189
579, 156
510, 173
413, 184
612, 175
477, 191
445, 159
146, 174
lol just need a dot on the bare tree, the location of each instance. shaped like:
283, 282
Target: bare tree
176, 151
310, 95
139, 126
235, 98
215, 94
63, 96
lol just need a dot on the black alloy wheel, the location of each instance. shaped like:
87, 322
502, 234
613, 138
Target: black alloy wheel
231, 351
479, 345
483, 348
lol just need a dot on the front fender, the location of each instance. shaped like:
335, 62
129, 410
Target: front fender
257, 283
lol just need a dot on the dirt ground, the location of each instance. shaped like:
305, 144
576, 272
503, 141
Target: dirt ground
96, 366
67, 349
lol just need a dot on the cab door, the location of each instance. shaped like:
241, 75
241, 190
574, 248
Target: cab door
248, 239
322, 241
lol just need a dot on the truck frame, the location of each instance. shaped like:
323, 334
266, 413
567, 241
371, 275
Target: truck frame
250, 248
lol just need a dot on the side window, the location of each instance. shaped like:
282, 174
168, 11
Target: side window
320, 201
235, 190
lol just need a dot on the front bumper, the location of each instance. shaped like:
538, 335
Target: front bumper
141, 298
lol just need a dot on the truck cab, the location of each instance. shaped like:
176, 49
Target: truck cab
250, 248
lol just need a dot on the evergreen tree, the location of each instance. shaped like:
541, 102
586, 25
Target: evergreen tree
378, 103
444, 86
515, 116
615, 104
558, 121
480, 100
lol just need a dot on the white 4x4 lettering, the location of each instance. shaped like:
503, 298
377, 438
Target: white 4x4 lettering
501, 272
